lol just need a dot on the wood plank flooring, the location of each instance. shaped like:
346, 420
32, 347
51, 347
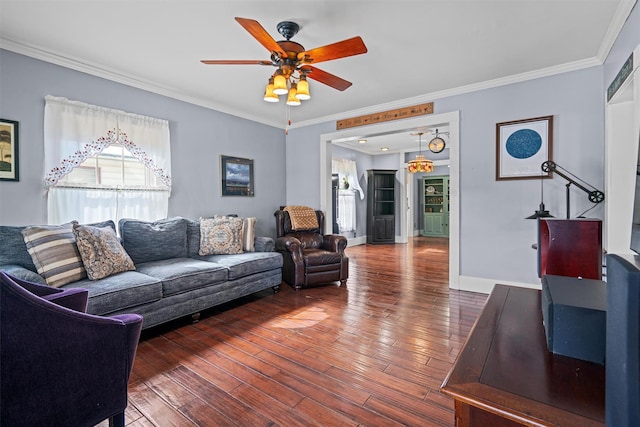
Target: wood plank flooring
373, 353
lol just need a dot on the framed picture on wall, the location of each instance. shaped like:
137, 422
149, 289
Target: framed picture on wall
9, 150
522, 146
236, 176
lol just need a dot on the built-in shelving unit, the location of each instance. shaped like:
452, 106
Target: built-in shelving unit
435, 202
381, 206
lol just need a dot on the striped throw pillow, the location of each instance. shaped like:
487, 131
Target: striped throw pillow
54, 252
248, 234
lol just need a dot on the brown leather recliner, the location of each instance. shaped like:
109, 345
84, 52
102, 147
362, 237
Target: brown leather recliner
310, 258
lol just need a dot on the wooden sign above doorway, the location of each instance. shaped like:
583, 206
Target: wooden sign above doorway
385, 116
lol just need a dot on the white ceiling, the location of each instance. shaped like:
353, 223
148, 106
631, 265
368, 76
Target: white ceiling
417, 50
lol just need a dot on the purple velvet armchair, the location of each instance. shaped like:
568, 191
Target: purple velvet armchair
58, 365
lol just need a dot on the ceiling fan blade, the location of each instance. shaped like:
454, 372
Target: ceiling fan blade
236, 62
326, 78
349, 47
260, 34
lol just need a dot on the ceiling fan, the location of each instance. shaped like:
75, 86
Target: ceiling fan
293, 62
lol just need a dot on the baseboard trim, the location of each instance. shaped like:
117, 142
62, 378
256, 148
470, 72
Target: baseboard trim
485, 286
357, 241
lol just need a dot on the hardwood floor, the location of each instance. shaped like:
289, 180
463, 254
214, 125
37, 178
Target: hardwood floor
372, 354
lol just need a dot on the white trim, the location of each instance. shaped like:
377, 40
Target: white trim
485, 286
617, 22
355, 241
622, 119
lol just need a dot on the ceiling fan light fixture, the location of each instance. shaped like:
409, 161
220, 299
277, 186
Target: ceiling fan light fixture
279, 83
269, 96
303, 89
292, 100
292, 61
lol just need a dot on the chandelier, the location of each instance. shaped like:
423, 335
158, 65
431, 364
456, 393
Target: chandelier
420, 163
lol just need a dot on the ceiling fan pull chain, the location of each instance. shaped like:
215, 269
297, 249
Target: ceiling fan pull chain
288, 117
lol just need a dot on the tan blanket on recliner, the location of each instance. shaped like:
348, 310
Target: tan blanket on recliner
302, 217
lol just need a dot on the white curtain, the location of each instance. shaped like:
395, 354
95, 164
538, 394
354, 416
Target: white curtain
347, 168
74, 131
346, 210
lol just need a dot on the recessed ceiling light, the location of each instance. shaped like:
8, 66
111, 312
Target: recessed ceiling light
384, 148
362, 141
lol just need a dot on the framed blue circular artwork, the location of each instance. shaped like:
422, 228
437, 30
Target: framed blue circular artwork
522, 146
523, 143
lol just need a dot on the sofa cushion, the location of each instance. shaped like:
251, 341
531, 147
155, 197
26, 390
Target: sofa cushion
318, 257
220, 235
193, 237
102, 224
248, 263
13, 250
119, 292
20, 272
101, 251
54, 252
180, 275
264, 244
147, 241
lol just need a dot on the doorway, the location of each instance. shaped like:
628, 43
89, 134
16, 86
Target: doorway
622, 133
406, 125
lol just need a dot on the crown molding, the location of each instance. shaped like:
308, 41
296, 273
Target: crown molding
133, 81
613, 31
126, 79
489, 84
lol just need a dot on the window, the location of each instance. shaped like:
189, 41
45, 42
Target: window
114, 167
121, 173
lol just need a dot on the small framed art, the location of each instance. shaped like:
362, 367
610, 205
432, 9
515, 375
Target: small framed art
9, 150
522, 146
236, 176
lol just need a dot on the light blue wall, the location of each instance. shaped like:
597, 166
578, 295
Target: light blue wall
303, 164
198, 137
496, 240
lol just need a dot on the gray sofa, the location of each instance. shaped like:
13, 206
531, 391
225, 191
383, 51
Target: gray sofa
170, 280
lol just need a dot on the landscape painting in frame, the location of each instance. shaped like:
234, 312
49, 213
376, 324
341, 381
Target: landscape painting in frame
8, 150
237, 176
522, 146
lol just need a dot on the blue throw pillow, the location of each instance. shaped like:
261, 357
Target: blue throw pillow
13, 250
147, 241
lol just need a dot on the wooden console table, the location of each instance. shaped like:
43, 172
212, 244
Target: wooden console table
505, 376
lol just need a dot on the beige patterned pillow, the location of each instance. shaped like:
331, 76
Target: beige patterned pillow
248, 231
54, 253
101, 252
222, 235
